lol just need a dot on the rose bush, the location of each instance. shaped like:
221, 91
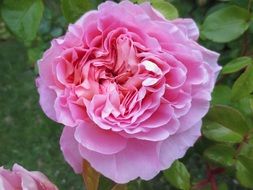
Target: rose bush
21, 179
130, 87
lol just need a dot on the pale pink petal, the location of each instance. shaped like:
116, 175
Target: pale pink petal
176, 146
9, 180
33, 180
69, 147
188, 26
47, 99
98, 140
199, 108
138, 159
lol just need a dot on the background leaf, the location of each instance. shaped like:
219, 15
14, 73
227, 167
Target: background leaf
221, 95
229, 118
166, 8
244, 171
243, 86
178, 176
73, 9
226, 24
215, 131
23, 17
221, 154
236, 65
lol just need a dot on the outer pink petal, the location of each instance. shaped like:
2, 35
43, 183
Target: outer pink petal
29, 177
99, 140
198, 110
69, 147
27, 182
45, 64
5, 184
151, 12
176, 146
138, 159
188, 26
47, 99
8, 180
43, 181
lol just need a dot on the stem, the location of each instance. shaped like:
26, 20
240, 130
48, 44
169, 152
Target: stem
245, 38
245, 140
210, 179
213, 183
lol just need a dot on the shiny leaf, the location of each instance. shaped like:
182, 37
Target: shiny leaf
226, 24
244, 171
229, 118
236, 65
215, 131
221, 95
221, 154
243, 86
178, 176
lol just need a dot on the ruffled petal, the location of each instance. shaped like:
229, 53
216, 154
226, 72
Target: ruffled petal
69, 147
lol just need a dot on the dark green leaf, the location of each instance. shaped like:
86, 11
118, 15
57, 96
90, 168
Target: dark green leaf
23, 17
243, 86
223, 186
251, 103
73, 9
244, 171
217, 132
224, 25
247, 150
4, 33
178, 176
221, 95
221, 154
229, 118
236, 65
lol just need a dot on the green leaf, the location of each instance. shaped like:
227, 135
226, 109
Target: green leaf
226, 24
215, 131
73, 9
223, 186
221, 95
4, 33
166, 8
23, 17
178, 176
243, 86
247, 150
244, 171
228, 117
221, 154
251, 103
236, 65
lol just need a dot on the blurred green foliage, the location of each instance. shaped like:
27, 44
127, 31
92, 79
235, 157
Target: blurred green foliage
221, 159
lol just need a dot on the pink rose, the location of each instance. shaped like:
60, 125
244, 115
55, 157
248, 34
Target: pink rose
130, 87
21, 179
